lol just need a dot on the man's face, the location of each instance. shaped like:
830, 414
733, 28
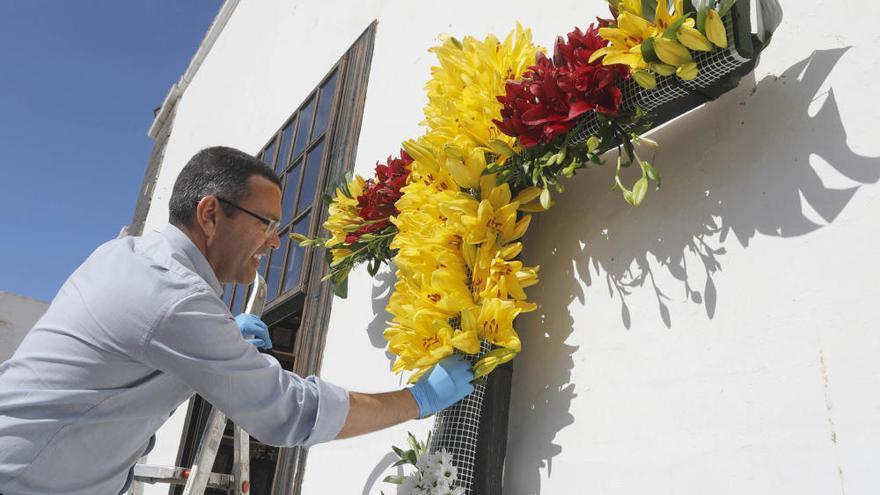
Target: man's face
240, 239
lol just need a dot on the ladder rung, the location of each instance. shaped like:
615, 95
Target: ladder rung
147, 473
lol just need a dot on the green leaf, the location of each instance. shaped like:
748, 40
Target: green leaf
673, 28
545, 198
340, 288
639, 190
725, 7
649, 8
593, 143
648, 52
651, 172
412, 441
400, 452
397, 480
400, 463
701, 19
628, 196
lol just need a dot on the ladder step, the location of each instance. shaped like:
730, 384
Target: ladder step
146, 473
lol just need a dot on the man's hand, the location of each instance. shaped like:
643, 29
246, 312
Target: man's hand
254, 330
448, 382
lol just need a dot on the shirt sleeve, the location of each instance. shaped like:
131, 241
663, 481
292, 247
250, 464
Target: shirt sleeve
199, 342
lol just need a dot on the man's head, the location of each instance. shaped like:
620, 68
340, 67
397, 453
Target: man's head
223, 200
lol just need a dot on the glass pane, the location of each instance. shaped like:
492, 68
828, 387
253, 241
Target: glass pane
283, 333
269, 154
302, 132
286, 139
325, 105
262, 268
290, 187
310, 181
295, 255
238, 302
227, 293
274, 278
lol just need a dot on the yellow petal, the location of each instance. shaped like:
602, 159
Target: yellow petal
715, 29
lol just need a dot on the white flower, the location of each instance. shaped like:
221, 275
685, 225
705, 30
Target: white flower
408, 485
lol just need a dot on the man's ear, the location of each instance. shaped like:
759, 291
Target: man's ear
207, 215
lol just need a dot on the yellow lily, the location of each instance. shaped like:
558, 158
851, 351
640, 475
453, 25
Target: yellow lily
493, 321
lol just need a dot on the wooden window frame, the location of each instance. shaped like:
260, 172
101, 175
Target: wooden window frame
311, 297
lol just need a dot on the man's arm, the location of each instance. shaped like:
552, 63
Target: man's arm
371, 412
445, 384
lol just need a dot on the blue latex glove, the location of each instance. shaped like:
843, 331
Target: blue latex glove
254, 330
448, 382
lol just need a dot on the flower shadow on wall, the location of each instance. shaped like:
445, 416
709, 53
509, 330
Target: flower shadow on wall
674, 243
383, 284
765, 190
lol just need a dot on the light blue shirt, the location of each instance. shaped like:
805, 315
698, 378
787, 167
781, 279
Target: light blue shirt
133, 333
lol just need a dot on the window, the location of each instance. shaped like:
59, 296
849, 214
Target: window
316, 142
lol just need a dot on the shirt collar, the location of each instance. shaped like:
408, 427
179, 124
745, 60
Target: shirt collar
181, 243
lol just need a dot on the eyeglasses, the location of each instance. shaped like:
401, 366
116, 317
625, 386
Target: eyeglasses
271, 225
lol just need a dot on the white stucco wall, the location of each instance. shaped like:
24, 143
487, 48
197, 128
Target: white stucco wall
17, 316
718, 338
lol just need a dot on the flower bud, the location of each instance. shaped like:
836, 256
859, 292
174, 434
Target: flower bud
687, 71
671, 52
693, 39
662, 69
644, 79
715, 29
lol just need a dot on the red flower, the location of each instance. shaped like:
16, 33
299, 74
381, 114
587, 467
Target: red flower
376, 204
553, 94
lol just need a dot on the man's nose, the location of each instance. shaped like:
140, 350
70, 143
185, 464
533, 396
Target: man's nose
274, 240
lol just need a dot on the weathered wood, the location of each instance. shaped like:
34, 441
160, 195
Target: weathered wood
310, 340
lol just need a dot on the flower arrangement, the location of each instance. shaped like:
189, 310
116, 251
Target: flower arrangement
503, 125
359, 220
434, 474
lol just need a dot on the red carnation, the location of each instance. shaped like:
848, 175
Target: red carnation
376, 204
553, 94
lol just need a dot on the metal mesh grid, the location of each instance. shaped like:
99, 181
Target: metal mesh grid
713, 66
456, 429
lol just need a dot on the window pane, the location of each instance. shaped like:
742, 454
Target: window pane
227, 294
295, 255
262, 268
286, 139
325, 105
310, 181
269, 154
283, 333
274, 278
238, 302
302, 132
290, 187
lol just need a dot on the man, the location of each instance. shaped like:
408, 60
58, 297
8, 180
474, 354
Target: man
139, 327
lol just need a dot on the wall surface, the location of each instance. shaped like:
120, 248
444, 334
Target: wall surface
17, 316
718, 338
